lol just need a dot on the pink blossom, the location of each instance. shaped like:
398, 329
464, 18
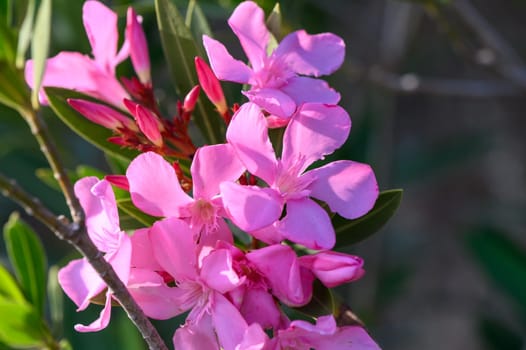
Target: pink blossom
94, 76
78, 279
277, 81
160, 194
324, 335
138, 46
349, 188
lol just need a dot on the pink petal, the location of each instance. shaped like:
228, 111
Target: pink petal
332, 268
273, 101
149, 124
269, 234
101, 27
308, 224
142, 251
304, 89
223, 64
248, 134
120, 257
349, 188
315, 131
103, 320
250, 207
154, 186
288, 281
248, 23
260, 307
102, 219
228, 322
213, 165
174, 248
80, 282
218, 273
254, 338
314, 55
196, 336
155, 298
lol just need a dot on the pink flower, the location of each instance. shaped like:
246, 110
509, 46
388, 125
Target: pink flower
155, 189
349, 188
78, 279
93, 76
324, 335
277, 81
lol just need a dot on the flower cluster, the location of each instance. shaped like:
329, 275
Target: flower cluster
192, 259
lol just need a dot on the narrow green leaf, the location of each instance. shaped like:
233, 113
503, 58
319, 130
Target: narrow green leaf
20, 325
91, 132
197, 22
503, 260
180, 49
24, 36
5, 12
14, 92
9, 288
126, 205
56, 300
353, 231
26, 253
40, 47
7, 43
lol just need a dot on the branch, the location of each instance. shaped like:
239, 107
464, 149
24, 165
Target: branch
509, 63
78, 237
411, 83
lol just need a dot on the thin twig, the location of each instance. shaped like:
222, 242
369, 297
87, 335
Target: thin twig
508, 62
78, 237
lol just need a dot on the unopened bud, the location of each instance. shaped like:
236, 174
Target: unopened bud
138, 46
119, 181
191, 99
148, 122
210, 85
102, 115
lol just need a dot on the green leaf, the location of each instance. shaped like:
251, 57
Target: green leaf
9, 289
498, 335
180, 49
24, 37
40, 47
503, 260
28, 258
20, 325
91, 132
14, 92
197, 22
7, 43
56, 300
126, 205
353, 231
322, 302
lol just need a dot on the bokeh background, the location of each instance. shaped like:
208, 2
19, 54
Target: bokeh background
436, 90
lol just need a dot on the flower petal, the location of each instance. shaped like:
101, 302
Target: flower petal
250, 207
101, 322
101, 27
273, 101
308, 224
315, 131
259, 307
154, 186
314, 55
213, 165
228, 323
174, 248
102, 219
218, 273
349, 188
248, 134
196, 336
225, 66
333, 268
80, 282
248, 23
142, 251
291, 283
305, 89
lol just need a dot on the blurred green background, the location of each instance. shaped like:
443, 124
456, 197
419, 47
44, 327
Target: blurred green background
436, 93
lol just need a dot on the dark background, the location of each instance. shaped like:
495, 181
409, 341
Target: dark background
436, 92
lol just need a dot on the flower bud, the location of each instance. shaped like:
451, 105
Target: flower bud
148, 122
332, 268
120, 181
102, 115
191, 99
210, 85
138, 46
